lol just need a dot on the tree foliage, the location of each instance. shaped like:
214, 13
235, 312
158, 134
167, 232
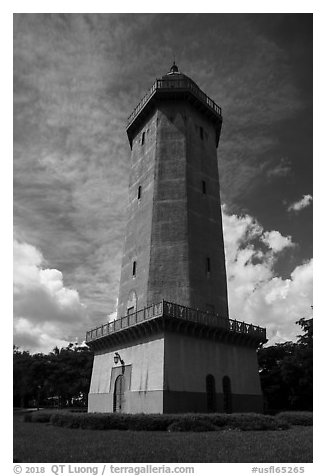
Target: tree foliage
62, 377
59, 378
286, 372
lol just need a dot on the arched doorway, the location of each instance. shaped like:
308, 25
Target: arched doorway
119, 394
210, 393
227, 394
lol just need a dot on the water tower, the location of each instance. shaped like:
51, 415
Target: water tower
173, 347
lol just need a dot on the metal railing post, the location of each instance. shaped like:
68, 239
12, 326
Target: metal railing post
177, 311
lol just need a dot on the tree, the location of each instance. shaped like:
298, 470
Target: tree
286, 372
21, 378
297, 369
275, 389
70, 375
62, 375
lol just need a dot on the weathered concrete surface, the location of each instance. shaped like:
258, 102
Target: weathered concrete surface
196, 402
189, 359
167, 373
174, 236
139, 225
175, 227
144, 387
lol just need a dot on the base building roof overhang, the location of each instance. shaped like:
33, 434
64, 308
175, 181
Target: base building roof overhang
166, 316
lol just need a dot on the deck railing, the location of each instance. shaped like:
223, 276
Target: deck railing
181, 84
177, 311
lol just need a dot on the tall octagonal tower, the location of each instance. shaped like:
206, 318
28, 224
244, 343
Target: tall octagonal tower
173, 347
174, 246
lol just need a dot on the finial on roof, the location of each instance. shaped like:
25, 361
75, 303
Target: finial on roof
174, 68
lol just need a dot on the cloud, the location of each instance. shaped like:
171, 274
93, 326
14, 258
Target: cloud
77, 77
256, 294
46, 313
300, 204
276, 242
282, 169
70, 181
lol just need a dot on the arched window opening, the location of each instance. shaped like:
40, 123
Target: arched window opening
119, 395
227, 394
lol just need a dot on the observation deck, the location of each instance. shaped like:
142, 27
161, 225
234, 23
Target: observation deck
174, 317
174, 85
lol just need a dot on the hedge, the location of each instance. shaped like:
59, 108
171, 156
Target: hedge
251, 422
192, 424
297, 418
38, 416
113, 421
159, 422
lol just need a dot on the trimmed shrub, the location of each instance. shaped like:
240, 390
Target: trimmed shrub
112, 421
91, 421
159, 422
220, 420
244, 421
66, 419
145, 422
255, 422
28, 417
192, 424
296, 418
38, 417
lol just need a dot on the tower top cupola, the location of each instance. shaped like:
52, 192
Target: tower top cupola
174, 85
174, 68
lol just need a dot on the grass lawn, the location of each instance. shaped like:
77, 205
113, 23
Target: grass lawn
43, 443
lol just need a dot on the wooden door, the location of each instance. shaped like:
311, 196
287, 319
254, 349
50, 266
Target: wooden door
119, 395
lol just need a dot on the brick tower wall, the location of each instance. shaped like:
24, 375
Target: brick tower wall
207, 273
137, 244
174, 230
169, 262
187, 222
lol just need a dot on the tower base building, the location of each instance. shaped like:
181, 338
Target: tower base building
173, 347
171, 359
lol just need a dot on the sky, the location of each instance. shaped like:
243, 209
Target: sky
77, 77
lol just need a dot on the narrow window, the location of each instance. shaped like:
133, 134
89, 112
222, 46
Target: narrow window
143, 138
139, 192
208, 265
203, 187
201, 131
134, 265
